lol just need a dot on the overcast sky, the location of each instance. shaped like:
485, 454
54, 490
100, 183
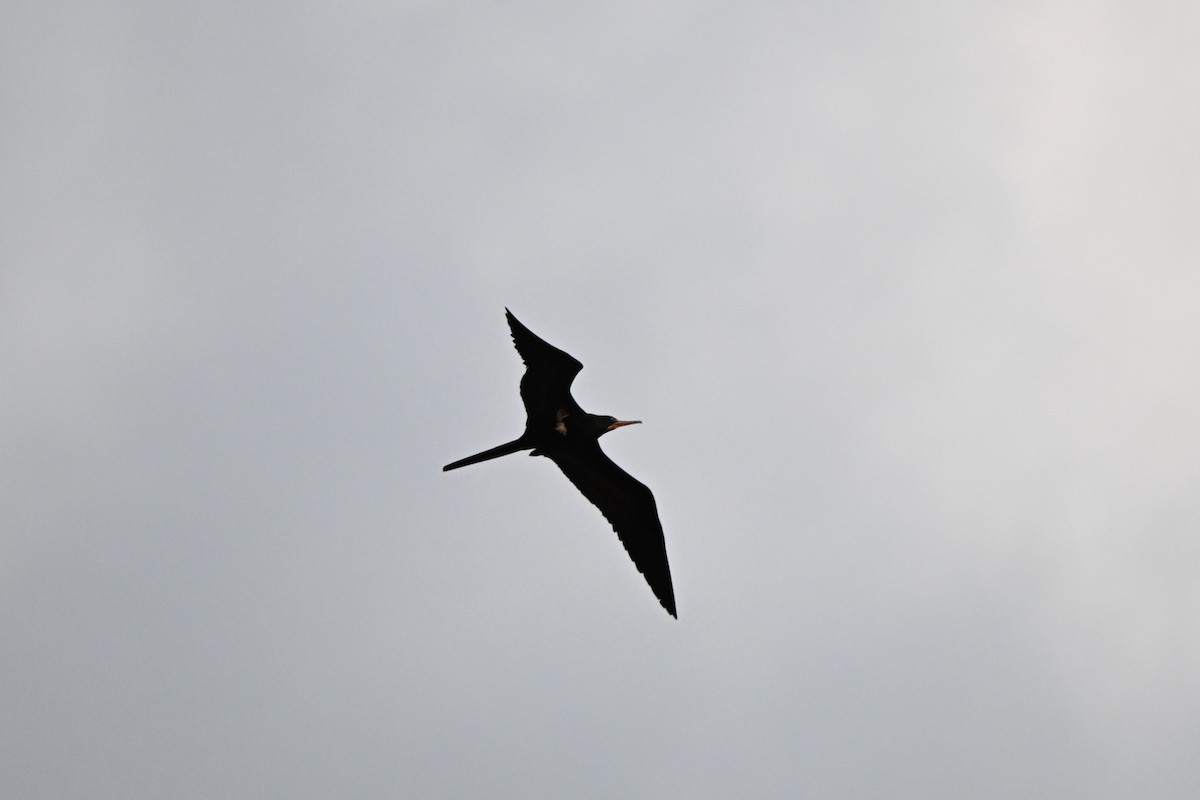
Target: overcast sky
907, 295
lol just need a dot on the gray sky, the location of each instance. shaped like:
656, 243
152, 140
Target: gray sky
906, 294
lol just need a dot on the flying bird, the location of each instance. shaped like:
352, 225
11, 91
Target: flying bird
557, 428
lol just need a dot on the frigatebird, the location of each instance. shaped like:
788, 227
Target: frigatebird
557, 428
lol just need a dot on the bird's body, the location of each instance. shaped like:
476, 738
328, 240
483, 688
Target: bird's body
557, 428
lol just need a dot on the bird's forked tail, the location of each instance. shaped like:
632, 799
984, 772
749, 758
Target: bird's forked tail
511, 447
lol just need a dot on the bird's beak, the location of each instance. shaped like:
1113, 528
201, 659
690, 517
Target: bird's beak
622, 423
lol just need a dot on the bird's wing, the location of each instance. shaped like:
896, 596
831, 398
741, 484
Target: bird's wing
628, 505
549, 372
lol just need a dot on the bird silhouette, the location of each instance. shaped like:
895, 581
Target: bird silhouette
557, 428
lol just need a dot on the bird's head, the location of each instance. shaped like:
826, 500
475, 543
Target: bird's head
606, 424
